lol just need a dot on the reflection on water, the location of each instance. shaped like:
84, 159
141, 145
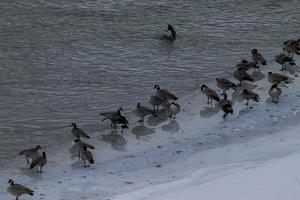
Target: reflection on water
116, 141
141, 130
208, 112
162, 115
172, 127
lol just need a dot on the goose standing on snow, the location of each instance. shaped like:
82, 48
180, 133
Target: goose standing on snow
257, 57
226, 106
142, 111
78, 132
79, 145
87, 156
210, 94
165, 94
39, 162
225, 84
249, 95
242, 75
246, 65
276, 78
116, 118
30, 153
18, 190
156, 101
292, 47
274, 93
172, 108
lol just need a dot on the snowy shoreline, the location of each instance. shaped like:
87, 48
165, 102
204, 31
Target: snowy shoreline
170, 155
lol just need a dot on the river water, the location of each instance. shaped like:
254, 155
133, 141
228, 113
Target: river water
65, 61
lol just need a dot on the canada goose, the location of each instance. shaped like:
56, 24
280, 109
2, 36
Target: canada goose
276, 78
282, 58
247, 94
210, 93
116, 118
39, 162
246, 65
292, 47
274, 93
142, 111
111, 114
86, 156
226, 106
290, 67
257, 57
172, 36
156, 101
172, 108
79, 146
18, 190
30, 153
78, 132
165, 94
242, 75
225, 84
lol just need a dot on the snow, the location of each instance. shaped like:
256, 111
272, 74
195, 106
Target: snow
253, 154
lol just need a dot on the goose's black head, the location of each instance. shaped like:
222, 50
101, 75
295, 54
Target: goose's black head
254, 51
11, 182
203, 86
156, 87
138, 105
38, 147
74, 125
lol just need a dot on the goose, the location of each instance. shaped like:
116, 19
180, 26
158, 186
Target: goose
246, 65
111, 114
87, 156
290, 67
226, 106
210, 94
225, 84
257, 57
276, 78
79, 146
242, 75
18, 190
172, 108
142, 111
156, 101
39, 162
122, 120
172, 36
282, 58
248, 95
274, 93
30, 153
292, 47
78, 132
165, 94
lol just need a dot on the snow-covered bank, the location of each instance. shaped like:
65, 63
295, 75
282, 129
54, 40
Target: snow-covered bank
161, 158
277, 179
